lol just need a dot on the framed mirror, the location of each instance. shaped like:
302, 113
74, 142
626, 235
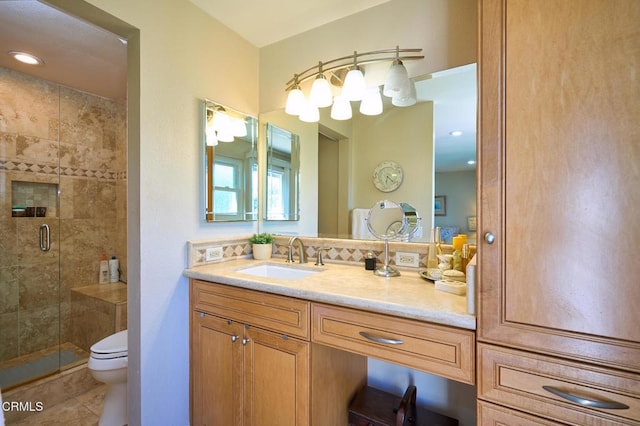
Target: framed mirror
231, 164
282, 175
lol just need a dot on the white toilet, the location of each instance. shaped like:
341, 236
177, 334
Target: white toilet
108, 364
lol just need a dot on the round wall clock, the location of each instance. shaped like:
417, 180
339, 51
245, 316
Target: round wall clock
387, 176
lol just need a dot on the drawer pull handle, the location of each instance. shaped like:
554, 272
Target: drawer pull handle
594, 403
382, 340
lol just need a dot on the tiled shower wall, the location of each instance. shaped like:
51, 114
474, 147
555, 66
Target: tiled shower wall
48, 130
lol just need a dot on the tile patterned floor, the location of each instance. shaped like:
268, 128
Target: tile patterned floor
83, 410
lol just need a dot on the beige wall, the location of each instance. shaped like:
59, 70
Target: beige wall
378, 139
444, 29
181, 56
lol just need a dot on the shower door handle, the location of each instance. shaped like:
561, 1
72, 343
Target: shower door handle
45, 237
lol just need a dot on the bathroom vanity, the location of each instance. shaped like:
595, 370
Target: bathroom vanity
294, 351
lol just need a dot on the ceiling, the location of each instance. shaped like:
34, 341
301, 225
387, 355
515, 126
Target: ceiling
75, 53
80, 55
265, 22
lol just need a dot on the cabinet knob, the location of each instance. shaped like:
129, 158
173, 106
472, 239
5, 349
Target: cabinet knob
489, 238
245, 341
234, 338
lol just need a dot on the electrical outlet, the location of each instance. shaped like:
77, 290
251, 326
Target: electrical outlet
212, 253
407, 259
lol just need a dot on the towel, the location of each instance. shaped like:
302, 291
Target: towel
359, 229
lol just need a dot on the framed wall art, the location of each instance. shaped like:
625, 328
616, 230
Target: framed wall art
440, 205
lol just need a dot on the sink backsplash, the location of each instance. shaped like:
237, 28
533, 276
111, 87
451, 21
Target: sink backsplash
340, 250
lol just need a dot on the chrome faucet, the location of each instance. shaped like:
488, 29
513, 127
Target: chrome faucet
303, 254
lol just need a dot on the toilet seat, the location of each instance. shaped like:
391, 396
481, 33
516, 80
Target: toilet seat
114, 346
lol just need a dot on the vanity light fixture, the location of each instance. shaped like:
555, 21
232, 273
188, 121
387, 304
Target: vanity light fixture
26, 58
397, 85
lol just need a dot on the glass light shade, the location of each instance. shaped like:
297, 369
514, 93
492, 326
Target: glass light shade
397, 81
408, 100
320, 95
310, 113
341, 109
225, 135
238, 127
354, 85
295, 101
372, 102
211, 138
221, 121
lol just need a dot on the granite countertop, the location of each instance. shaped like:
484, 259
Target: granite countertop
408, 295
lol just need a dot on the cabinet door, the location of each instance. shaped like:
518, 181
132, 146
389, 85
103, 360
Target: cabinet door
559, 178
216, 371
276, 379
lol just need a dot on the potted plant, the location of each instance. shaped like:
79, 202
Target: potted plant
262, 245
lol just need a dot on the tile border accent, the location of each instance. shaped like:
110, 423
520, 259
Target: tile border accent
22, 166
340, 250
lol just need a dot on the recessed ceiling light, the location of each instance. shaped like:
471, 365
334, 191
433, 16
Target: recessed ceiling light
471, 162
456, 133
26, 58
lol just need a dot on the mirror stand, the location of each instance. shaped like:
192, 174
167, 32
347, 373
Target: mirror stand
386, 270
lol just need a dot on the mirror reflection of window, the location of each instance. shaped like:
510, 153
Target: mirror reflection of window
228, 189
283, 167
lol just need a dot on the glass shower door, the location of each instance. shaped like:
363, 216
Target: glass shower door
29, 230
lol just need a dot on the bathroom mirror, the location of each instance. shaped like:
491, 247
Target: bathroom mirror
339, 157
231, 164
282, 174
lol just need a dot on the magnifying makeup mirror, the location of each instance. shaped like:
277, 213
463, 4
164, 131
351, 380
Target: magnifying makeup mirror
389, 221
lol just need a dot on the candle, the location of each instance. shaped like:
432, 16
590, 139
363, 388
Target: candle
457, 243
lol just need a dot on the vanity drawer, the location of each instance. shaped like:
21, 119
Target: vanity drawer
516, 379
445, 351
277, 313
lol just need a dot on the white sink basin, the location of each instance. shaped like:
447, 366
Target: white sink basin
285, 272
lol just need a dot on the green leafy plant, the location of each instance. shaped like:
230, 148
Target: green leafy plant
263, 238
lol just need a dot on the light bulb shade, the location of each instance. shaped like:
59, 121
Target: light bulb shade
397, 81
238, 127
295, 101
310, 113
211, 138
408, 100
221, 121
372, 102
225, 135
341, 109
320, 95
354, 85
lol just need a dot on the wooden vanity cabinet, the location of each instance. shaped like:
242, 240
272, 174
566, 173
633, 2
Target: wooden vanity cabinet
252, 362
559, 193
242, 373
